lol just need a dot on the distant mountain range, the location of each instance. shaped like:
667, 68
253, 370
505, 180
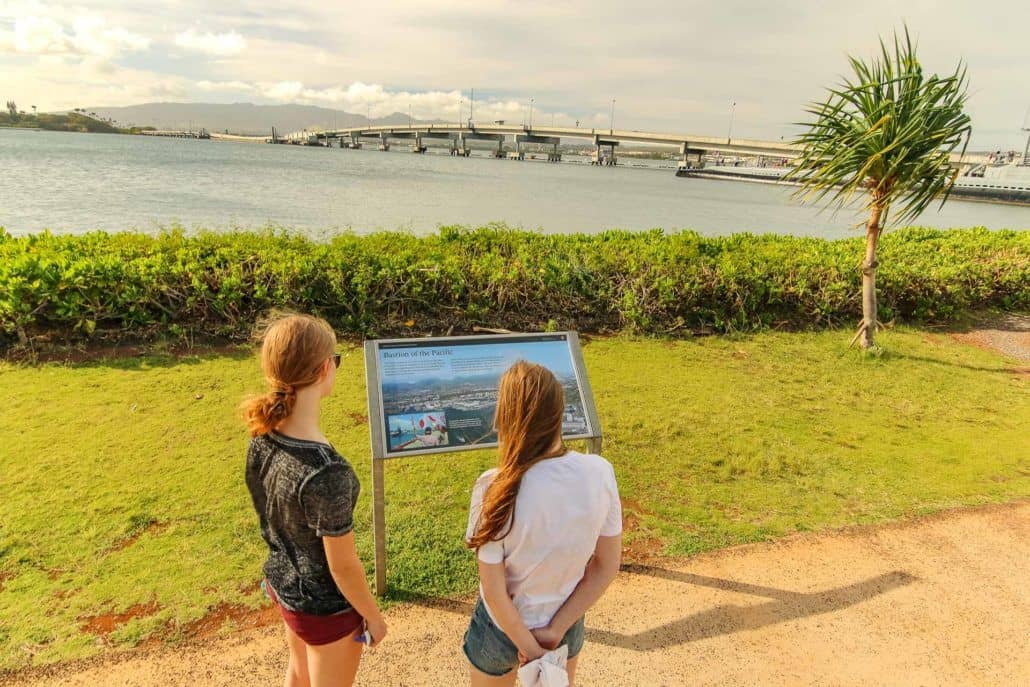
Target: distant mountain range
239, 118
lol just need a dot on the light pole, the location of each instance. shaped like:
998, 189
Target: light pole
1026, 148
611, 119
531, 114
729, 134
409, 115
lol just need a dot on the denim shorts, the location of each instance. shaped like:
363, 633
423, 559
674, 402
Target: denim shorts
490, 651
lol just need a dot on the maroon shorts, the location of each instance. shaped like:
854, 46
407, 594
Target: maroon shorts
316, 630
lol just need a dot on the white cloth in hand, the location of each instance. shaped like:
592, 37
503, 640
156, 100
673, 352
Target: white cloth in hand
546, 671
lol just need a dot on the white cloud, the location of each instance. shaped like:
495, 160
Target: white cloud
377, 100
40, 35
88, 35
670, 70
93, 37
58, 82
284, 90
218, 44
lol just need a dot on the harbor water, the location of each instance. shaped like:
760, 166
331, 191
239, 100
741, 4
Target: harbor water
69, 182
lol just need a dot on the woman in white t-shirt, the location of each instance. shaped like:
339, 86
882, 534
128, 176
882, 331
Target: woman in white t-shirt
547, 528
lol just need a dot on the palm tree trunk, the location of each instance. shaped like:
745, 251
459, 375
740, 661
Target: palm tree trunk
872, 237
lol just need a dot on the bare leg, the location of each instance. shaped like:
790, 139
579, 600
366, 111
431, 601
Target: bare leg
481, 679
570, 668
297, 668
335, 664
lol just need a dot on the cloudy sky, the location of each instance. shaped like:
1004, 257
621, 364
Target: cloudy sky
670, 66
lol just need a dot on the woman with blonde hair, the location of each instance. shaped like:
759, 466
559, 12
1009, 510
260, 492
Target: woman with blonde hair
304, 494
546, 524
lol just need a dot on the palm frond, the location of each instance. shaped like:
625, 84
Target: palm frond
888, 132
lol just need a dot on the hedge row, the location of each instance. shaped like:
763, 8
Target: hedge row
214, 285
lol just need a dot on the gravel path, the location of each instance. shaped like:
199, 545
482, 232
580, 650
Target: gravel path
1008, 335
942, 600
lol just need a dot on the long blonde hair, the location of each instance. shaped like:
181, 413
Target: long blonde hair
293, 350
530, 403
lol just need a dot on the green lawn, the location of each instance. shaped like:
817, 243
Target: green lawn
122, 479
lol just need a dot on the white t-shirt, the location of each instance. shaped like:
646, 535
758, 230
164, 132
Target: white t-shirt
564, 505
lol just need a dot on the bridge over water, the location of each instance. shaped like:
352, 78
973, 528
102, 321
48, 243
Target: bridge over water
459, 139
605, 141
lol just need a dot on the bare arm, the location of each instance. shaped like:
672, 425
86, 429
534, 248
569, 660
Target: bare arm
349, 575
495, 593
600, 571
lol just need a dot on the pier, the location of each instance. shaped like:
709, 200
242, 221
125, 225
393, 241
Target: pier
170, 133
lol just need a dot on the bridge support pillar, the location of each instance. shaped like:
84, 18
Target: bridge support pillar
459, 146
384, 143
553, 141
518, 153
689, 159
417, 146
600, 159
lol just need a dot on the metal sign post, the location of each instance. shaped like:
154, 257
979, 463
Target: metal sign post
378, 485
478, 358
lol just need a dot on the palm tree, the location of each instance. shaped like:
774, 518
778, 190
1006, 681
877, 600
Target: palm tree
887, 133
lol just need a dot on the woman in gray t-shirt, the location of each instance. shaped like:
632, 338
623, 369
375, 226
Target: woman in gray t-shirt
304, 492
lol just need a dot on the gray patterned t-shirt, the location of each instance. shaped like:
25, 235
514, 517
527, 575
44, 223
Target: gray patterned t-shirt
302, 491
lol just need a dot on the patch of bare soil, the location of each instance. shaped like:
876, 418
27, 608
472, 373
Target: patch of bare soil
358, 418
940, 600
239, 618
106, 623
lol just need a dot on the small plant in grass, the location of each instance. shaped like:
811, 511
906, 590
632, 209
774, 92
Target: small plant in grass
887, 132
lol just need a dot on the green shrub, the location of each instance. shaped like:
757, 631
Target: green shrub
101, 286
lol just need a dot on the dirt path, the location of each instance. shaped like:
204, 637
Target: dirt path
938, 601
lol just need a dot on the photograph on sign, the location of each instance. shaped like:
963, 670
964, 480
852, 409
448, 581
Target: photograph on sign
442, 393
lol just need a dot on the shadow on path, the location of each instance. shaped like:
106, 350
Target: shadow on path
783, 605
